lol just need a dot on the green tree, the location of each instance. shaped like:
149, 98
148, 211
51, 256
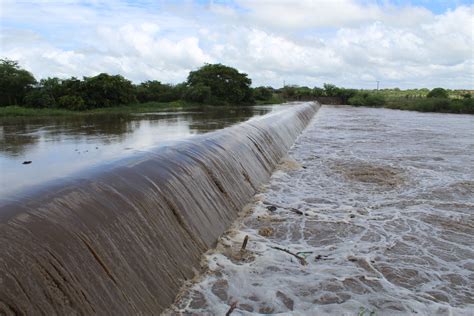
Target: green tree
226, 84
367, 99
331, 90
438, 93
39, 98
71, 102
14, 82
318, 92
157, 91
105, 90
263, 93
198, 93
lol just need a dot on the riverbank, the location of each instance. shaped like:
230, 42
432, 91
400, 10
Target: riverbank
19, 111
369, 215
434, 105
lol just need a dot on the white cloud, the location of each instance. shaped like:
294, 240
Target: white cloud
305, 42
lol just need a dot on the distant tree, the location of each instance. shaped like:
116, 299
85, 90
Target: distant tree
199, 93
71, 102
39, 98
157, 91
438, 93
330, 90
367, 99
304, 93
467, 96
227, 85
288, 92
14, 82
318, 92
105, 90
263, 93
346, 94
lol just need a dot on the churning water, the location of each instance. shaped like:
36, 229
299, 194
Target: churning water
387, 228
121, 238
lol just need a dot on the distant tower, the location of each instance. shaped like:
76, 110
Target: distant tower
378, 82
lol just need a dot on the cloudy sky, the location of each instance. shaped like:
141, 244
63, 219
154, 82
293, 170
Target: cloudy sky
401, 43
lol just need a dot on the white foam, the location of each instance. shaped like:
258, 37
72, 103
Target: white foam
389, 225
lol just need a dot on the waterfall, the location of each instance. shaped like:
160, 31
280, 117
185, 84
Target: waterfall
123, 238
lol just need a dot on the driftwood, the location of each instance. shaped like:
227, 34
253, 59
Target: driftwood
300, 259
231, 309
244, 244
291, 209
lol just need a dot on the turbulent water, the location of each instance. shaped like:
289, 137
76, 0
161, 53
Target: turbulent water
372, 213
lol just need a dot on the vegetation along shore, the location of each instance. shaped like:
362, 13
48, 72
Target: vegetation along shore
211, 85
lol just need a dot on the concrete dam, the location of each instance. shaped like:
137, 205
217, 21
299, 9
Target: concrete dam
122, 238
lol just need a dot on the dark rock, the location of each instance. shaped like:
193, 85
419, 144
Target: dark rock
219, 288
271, 208
289, 303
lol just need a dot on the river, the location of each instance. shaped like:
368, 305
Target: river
64, 146
372, 213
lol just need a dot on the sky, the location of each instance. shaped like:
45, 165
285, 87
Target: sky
350, 43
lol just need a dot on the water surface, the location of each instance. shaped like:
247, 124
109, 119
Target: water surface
388, 198
59, 147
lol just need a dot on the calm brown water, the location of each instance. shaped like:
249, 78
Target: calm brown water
60, 147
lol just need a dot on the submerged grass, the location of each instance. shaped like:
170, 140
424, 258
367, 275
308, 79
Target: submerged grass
19, 111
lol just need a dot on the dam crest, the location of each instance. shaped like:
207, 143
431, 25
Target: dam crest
123, 239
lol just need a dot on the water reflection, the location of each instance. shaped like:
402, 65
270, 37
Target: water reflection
58, 147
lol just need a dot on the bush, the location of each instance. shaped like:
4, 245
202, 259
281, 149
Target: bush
156, 91
367, 99
71, 102
39, 98
438, 93
262, 93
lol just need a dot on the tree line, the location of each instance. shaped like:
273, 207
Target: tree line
212, 84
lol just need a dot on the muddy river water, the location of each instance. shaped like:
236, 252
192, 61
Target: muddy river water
372, 213
64, 146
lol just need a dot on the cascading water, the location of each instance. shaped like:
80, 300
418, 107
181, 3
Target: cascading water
121, 239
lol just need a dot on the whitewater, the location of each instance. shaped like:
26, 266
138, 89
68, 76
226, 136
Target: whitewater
371, 213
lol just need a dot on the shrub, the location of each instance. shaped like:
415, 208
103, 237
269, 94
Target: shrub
72, 102
438, 93
262, 93
39, 98
367, 99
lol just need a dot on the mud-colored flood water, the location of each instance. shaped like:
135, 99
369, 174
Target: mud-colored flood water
60, 147
371, 214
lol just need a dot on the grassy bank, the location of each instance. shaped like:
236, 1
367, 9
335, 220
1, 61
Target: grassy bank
440, 105
18, 111
275, 99
420, 104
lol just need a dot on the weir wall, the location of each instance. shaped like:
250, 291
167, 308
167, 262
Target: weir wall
122, 239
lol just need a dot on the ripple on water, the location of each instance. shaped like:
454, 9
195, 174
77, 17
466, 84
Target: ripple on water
388, 224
